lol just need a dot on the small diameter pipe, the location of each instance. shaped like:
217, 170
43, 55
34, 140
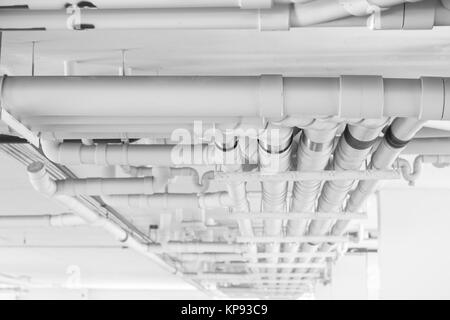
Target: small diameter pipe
411, 175
230, 147
42, 182
37, 221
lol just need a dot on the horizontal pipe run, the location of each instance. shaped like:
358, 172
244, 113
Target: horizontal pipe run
39, 221
305, 239
214, 257
428, 146
266, 293
285, 265
105, 186
287, 216
347, 97
203, 247
293, 176
171, 201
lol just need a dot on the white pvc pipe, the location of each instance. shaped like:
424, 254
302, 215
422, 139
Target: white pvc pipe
271, 97
134, 154
278, 17
177, 18
322, 11
314, 151
275, 148
402, 129
237, 192
171, 201
140, 4
351, 152
105, 186
428, 146
61, 220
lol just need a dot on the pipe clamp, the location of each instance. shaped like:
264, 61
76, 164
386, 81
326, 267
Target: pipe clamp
275, 19
271, 97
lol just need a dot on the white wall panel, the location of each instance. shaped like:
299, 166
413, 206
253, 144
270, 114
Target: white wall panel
413, 253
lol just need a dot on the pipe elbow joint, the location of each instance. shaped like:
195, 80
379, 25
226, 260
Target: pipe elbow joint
40, 179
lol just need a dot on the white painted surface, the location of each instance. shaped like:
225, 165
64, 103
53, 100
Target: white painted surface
414, 260
349, 280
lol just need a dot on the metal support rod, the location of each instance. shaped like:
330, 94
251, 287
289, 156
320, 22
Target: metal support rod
293, 176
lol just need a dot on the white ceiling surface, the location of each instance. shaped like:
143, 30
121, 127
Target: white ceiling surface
299, 52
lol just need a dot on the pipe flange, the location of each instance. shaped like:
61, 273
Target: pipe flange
2, 81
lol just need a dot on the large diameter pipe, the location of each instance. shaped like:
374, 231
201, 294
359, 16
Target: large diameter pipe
134, 154
395, 141
270, 97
